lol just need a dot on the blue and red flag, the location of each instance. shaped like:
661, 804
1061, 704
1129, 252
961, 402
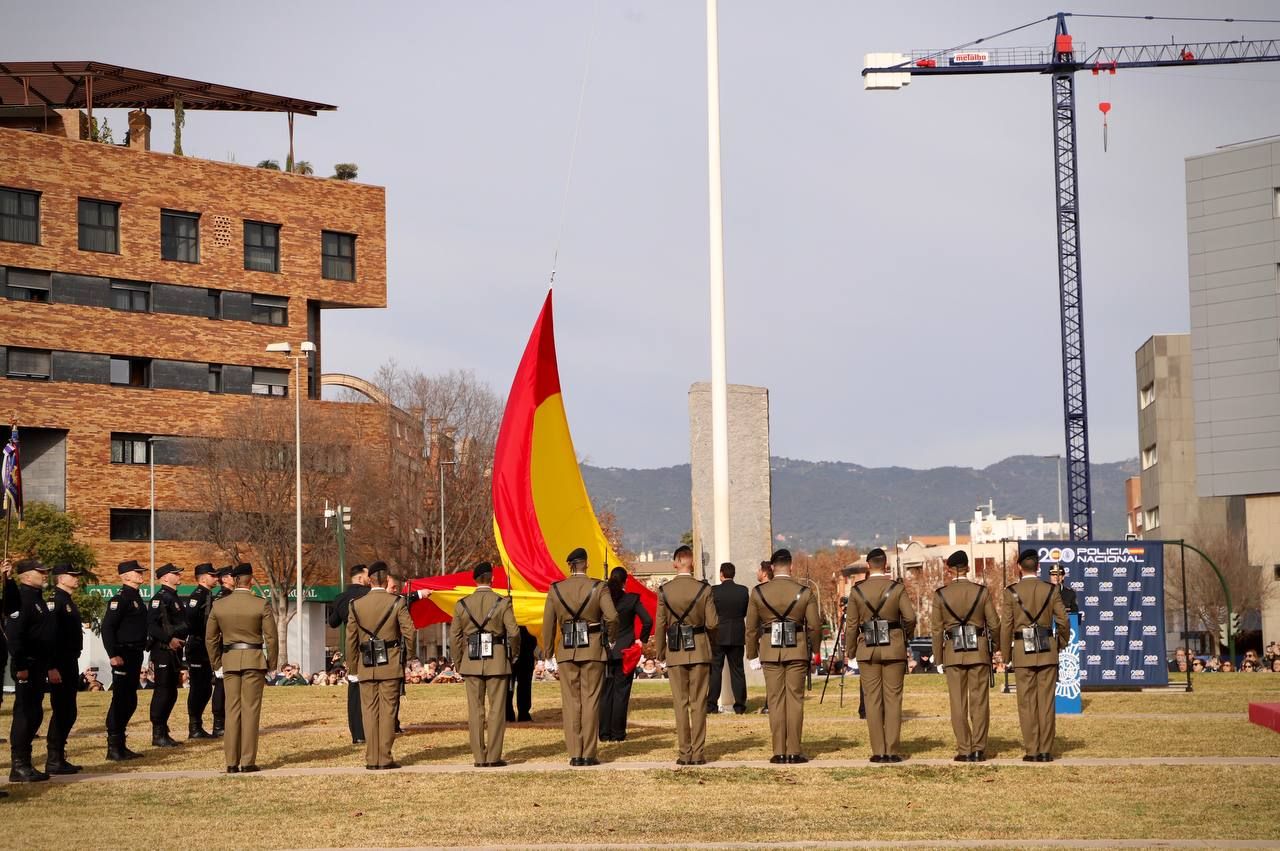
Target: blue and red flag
12, 479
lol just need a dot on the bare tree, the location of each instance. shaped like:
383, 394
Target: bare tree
250, 484
1206, 603
821, 570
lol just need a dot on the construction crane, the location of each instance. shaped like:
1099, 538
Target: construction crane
1061, 61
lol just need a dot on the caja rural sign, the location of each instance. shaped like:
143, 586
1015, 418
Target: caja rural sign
1119, 587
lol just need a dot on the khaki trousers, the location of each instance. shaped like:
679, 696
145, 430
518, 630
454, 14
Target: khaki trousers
784, 693
970, 705
379, 702
580, 687
243, 691
487, 701
1036, 711
689, 686
882, 682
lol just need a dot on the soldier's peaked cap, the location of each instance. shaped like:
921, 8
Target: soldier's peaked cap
782, 556
1057, 570
377, 567
66, 567
167, 569
578, 554
482, 570
1029, 553
224, 571
29, 564
128, 566
205, 568
876, 553
242, 569
958, 559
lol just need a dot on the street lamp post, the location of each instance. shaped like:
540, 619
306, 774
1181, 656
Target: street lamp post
305, 350
151, 463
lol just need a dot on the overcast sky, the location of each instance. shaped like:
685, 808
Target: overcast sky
891, 267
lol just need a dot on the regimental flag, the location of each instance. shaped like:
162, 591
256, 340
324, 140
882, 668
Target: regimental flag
541, 510
12, 478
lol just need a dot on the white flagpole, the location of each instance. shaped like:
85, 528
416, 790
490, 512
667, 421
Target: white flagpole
719, 368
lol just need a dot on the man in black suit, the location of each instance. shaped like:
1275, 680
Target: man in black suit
731, 637
520, 691
359, 579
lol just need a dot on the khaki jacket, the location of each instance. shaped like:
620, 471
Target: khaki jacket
501, 621
896, 607
398, 628
241, 618
1034, 592
679, 594
961, 596
779, 593
579, 589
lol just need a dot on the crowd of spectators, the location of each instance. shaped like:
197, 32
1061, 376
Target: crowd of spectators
1252, 662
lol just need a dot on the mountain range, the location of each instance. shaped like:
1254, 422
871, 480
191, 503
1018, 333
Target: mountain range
815, 502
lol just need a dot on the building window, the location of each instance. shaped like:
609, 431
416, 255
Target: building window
25, 285
28, 363
130, 524
1146, 395
270, 310
131, 297
261, 247
131, 372
1150, 456
19, 216
270, 382
215, 378
130, 448
180, 236
338, 256
1150, 519
99, 226
215, 304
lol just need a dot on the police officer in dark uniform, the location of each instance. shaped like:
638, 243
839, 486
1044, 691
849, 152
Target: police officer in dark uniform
199, 675
358, 577
226, 584
166, 634
30, 632
68, 641
1058, 576
124, 635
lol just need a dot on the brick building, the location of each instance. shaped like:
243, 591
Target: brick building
141, 292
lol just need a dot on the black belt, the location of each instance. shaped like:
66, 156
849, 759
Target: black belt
241, 645
595, 627
891, 624
699, 630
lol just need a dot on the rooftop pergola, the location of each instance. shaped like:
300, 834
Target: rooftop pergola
85, 85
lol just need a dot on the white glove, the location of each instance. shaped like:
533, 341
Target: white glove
218, 673
754, 664
352, 678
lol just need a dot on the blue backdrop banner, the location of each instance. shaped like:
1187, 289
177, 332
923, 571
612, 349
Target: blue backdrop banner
1066, 699
1119, 587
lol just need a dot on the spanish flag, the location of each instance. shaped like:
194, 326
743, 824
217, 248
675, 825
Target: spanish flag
541, 510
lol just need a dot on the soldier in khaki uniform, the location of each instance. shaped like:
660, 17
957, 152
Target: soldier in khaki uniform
484, 640
241, 638
378, 626
879, 620
783, 631
686, 629
964, 625
1032, 609
581, 610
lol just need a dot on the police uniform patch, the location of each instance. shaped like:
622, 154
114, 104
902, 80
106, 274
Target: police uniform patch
115, 604
68, 608
49, 605
155, 604
192, 603
14, 615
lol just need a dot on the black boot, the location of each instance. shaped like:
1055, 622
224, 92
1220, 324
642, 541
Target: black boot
24, 772
196, 730
218, 729
117, 751
56, 763
160, 737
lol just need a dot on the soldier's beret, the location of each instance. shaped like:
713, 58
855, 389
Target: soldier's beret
1057, 570
242, 569
377, 567
129, 566
1029, 553
66, 568
205, 568
29, 564
876, 553
782, 556
481, 570
224, 571
577, 555
165, 570
958, 559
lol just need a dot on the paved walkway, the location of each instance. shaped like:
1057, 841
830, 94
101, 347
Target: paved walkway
719, 765
899, 843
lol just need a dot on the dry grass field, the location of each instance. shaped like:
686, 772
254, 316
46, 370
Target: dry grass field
341, 805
